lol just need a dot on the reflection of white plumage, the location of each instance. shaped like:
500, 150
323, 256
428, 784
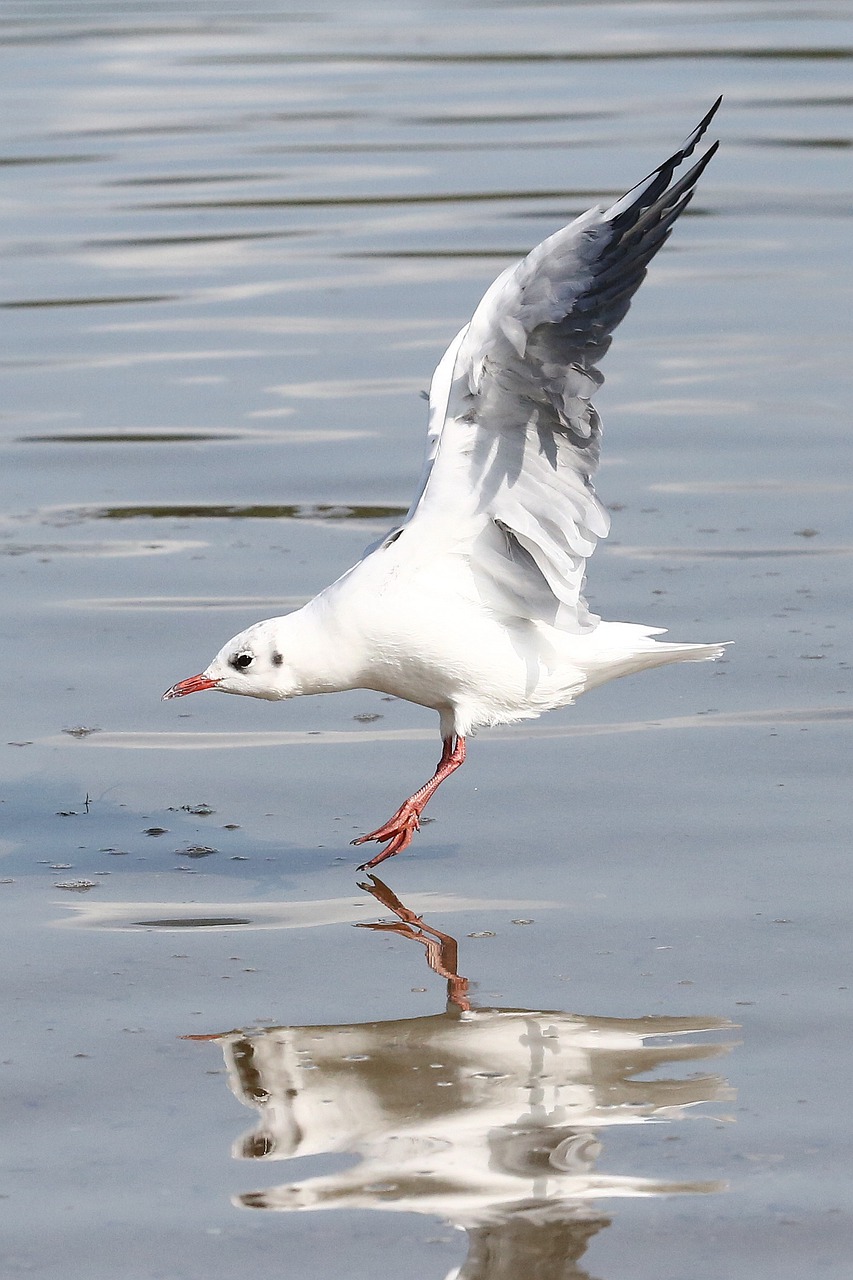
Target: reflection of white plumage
471, 1117
473, 605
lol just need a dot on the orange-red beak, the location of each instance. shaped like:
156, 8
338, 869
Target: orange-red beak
193, 684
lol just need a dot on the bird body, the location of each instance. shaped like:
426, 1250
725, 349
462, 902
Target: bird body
417, 630
473, 606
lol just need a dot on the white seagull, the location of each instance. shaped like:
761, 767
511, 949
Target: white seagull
473, 605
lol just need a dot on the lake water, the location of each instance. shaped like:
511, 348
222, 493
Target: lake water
235, 241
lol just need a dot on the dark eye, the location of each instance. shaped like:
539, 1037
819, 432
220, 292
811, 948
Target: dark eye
241, 661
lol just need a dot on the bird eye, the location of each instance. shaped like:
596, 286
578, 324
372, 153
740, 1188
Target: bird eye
241, 661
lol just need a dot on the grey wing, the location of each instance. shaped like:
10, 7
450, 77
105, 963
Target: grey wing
514, 437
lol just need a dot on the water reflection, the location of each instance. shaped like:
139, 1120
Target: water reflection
490, 1118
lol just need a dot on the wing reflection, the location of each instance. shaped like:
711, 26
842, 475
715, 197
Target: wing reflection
490, 1118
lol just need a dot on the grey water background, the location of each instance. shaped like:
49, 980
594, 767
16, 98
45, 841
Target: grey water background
235, 241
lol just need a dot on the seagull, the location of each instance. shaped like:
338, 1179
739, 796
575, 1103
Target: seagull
473, 605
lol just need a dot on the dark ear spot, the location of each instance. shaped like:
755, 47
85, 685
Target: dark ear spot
277, 659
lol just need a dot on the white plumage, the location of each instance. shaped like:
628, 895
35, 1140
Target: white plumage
473, 605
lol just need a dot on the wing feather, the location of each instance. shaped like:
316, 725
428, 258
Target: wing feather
514, 437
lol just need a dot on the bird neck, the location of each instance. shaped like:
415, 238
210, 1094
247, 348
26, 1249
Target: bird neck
316, 651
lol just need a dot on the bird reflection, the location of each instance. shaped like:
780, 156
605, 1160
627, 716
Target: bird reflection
490, 1118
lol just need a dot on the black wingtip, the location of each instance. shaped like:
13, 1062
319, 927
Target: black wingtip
672, 202
644, 195
690, 142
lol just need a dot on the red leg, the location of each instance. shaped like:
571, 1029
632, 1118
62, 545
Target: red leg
400, 828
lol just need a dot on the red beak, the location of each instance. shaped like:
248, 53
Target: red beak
193, 684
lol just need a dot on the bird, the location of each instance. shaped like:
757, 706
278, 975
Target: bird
473, 604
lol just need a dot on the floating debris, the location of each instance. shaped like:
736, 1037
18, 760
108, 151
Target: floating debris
196, 851
81, 731
76, 886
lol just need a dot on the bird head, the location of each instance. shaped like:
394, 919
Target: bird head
250, 664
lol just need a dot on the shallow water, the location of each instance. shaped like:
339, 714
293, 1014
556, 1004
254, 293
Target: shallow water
604, 1028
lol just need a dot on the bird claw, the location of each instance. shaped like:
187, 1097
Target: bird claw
398, 831
400, 828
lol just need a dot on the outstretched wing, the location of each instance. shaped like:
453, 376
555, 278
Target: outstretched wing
514, 437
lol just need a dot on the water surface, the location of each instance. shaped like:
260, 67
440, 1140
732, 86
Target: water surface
598, 1023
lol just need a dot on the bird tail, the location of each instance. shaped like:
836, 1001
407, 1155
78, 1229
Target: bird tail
646, 654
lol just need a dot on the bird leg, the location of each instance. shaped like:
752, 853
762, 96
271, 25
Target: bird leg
400, 828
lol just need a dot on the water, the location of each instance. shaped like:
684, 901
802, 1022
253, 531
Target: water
235, 243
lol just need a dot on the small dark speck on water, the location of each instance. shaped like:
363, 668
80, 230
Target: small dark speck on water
367, 717
156, 831
80, 731
196, 851
231, 826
